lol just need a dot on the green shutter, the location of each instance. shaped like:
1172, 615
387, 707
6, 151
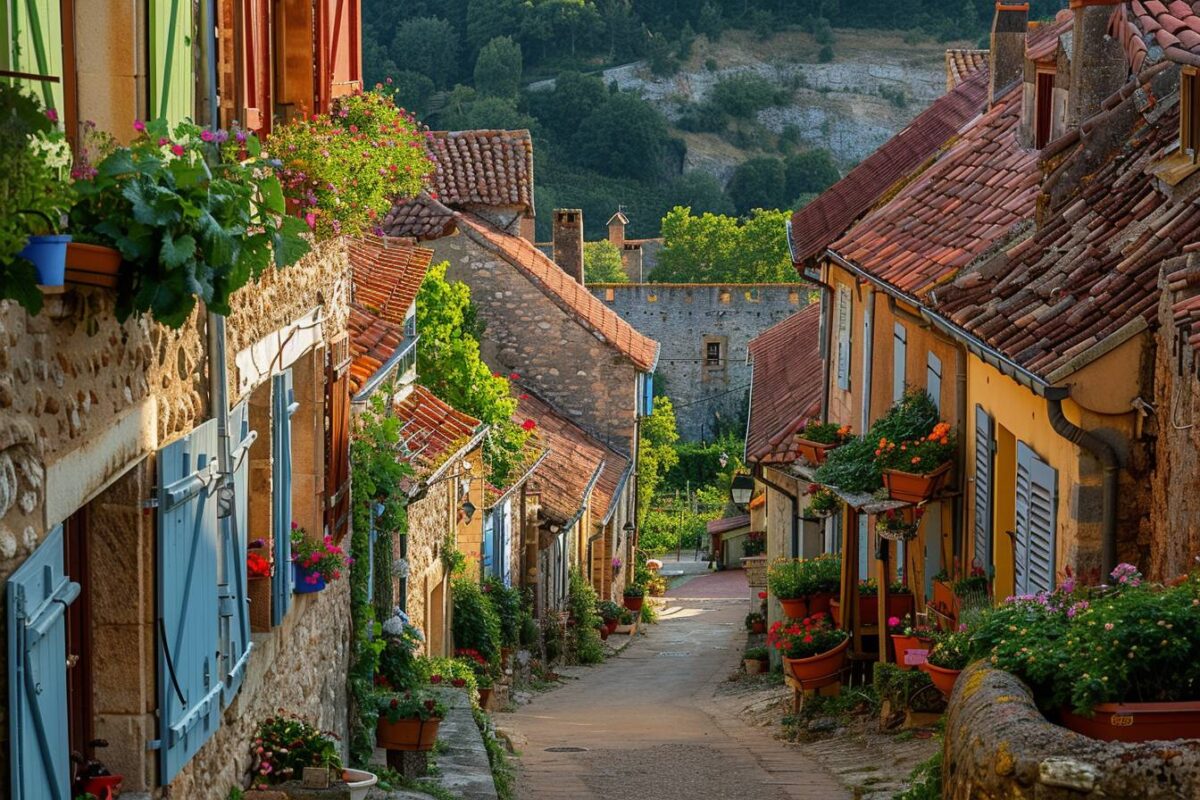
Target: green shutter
172, 83
33, 43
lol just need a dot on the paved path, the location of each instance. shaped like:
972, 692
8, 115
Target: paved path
647, 724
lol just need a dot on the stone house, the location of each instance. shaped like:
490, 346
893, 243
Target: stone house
139, 462
510, 511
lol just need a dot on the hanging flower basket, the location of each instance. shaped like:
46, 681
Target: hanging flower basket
820, 670
1137, 722
410, 735
912, 487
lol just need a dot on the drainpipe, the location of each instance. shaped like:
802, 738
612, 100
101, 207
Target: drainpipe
761, 476
1103, 451
868, 355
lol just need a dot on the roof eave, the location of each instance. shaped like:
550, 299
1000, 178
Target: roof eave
383, 372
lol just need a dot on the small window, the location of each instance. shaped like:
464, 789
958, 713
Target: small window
1189, 112
712, 355
1043, 109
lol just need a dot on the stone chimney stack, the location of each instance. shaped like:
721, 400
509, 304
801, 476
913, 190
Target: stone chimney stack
1097, 60
1007, 54
568, 241
528, 229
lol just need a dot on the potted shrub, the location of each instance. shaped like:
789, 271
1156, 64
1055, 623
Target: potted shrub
900, 601
791, 582
816, 439
948, 657
915, 470
610, 613
314, 564
286, 746
258, 572
813, 650
634, 596
485, 683
755, 544
625, 621
911, 642
756, 622
754, 659
899, 524
408, 722
822, 502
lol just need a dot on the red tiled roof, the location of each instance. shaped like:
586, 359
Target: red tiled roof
1092, 267
1172, 25
976, 194
961, 62
421, 218
569, 294
431, 428
387, 275
1042, 42
786, 386
482, 168
827, 217
571, 464
728, 524
1123, 29
372, 342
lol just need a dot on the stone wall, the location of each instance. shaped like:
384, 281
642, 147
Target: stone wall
559, 359
998, 746
428, 521
686, 318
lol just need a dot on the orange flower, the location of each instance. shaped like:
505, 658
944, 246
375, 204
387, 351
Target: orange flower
944, 441
916, 460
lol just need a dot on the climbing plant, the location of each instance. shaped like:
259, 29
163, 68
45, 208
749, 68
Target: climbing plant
376, 475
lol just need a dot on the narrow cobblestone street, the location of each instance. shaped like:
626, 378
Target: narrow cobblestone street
647, 723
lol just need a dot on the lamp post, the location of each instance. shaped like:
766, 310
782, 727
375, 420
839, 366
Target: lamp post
741, 489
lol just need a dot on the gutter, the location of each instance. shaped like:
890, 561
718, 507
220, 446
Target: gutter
1104, 452
587, 500
761, 476
624, 479
383, 372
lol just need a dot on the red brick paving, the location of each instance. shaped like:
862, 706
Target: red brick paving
727, 583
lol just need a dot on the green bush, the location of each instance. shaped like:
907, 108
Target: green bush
507, 602
742, 95
584, 637
476, 624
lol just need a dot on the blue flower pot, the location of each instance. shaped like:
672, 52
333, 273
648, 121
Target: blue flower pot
301, 583
49, 256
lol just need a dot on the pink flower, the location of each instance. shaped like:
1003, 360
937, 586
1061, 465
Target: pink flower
52, 115
311, 219
139, 126
208, 136
893, 621
177, 149
512, 376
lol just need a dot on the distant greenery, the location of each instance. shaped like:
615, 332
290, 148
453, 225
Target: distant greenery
602, 263
699, 463
656, 452
712, 248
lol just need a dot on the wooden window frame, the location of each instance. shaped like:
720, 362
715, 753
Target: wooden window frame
1043, 107
1189, 113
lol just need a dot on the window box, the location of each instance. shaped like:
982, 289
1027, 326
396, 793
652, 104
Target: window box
911, 487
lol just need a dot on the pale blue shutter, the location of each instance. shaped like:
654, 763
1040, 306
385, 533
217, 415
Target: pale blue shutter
1037, 505
984, 458
489, 543
843, 333
506, 543
283, 405
235, 600
190, 680
864, 547
899, 361
933, 379
37, 595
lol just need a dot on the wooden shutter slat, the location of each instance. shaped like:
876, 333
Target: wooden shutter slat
337, 466
982, 552
1042, 525
843, 331
235, 595
933, 379
172, 90
899, 361
282, 408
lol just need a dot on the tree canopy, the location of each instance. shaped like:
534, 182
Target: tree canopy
714, 248
602, 263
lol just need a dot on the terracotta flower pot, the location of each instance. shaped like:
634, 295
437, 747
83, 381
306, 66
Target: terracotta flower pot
611, 624
820, 670
758, 627
819, 602
1137, 722
813, 452
944, 598
753, 666
259, 593
944, 679
868, 607
634, 603
92, 265
911, 487
794, 607
910, 650
603, 629
485, 697
407, 734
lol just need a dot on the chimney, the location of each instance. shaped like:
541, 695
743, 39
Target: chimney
1007, 54
527, 229
568, 241
616, 229
1098, 65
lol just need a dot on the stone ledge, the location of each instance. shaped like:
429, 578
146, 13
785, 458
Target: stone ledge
999, 746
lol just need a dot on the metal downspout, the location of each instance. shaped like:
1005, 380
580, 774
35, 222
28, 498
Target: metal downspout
1103, 451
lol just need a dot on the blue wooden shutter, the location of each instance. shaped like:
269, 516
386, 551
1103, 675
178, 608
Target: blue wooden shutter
172, 78
933, 379
864, 549
38, 594
283, 405
190, 679
235, 600
843, 333
1037, 507
649, 384
984, 458
899, 361
489, 544
506, 543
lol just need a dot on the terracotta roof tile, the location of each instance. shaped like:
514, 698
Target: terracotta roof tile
1147, 27
531, 451
482, 168
572, 462
827, 217
1092, 267
961, 62
564, 290
421, 218
728, 524
373, 341
431, 428
975, 195
786, 386
387, 275
1042, 42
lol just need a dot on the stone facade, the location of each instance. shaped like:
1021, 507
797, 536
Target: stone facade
87, 402
528, 333
704, 330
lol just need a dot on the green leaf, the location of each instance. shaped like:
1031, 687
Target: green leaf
119, 162
177, 252
289, 245
272, 196
18, 281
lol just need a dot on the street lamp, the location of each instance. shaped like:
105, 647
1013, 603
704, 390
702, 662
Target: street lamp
723, 460
468, 510
742, 489
628, 528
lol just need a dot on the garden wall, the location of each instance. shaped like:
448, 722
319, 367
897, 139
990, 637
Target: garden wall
998, 746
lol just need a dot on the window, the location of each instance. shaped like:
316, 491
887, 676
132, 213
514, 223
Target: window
1189, 112
172, 84
899, 361
712, 355
985, 453
715, 354
844, 310
933, 379
1043, 114
1037, 521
